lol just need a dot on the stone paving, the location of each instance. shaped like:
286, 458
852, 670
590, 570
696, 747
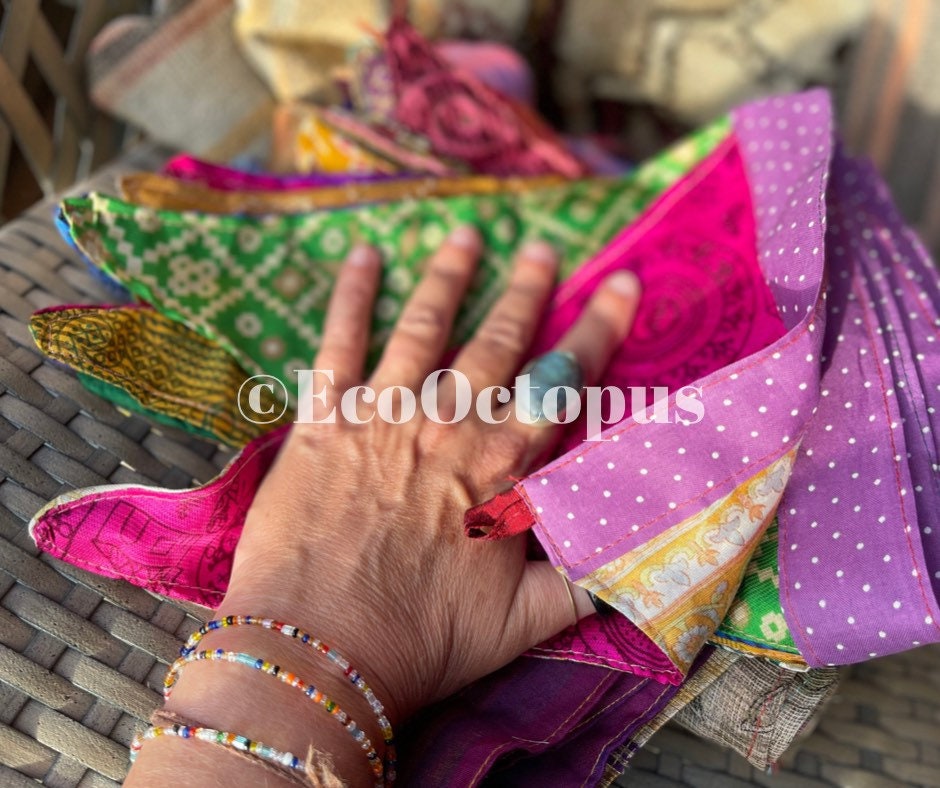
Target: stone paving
882, 730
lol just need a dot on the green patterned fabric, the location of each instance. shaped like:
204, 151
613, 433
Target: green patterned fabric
756, 617
260, 286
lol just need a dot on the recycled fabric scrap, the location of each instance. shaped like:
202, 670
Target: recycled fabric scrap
819, 397
859, 563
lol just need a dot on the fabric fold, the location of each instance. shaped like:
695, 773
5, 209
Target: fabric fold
165, 193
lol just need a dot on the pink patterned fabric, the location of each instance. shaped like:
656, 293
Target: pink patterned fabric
174, 542
705, 303
217, 176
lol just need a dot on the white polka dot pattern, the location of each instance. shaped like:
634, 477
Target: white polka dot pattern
857, 530
732, 442
854, 384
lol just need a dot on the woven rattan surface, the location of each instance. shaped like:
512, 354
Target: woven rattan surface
81, 657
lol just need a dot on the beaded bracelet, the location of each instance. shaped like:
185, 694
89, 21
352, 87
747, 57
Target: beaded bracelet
234, 741
355, 678
234, 657
162, 718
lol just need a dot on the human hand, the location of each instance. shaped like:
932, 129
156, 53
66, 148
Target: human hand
356, 533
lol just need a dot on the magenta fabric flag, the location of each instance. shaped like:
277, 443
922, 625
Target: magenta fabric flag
219, 176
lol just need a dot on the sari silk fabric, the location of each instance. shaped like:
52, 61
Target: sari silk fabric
755, 621
259, 286
218, 176
161, 366
174, 542
503, 731
126, 403
164, 193
850, 391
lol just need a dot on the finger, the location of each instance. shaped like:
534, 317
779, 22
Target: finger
500, 343
603, 325
420, 336
348, 321
592, 340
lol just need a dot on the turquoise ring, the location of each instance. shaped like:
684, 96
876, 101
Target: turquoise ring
555, 369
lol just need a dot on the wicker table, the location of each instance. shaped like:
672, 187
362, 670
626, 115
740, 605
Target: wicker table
81, 657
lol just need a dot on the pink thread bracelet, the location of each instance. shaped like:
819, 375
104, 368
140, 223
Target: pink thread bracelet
353, 675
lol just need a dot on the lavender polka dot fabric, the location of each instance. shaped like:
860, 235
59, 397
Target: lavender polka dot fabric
844, 403
859, 549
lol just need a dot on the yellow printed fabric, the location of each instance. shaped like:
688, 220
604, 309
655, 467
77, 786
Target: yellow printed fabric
678, 587
304, 143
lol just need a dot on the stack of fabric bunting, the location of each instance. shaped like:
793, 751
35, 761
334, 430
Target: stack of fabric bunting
789, 531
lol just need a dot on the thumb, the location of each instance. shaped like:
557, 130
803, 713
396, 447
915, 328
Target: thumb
545, 604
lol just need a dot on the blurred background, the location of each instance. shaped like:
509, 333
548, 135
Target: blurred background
77, 81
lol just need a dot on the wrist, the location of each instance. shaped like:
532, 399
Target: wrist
274, 708
357, 636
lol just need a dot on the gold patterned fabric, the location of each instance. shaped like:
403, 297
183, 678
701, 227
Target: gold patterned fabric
163, 365
165, 193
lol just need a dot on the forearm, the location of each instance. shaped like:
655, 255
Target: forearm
238, 699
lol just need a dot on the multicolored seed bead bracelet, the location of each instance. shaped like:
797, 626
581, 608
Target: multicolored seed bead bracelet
280, 758
355, 678
286, 677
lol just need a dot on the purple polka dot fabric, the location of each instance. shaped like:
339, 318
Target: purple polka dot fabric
859, 549
849, 393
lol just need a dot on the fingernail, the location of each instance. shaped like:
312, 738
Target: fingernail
540, 252
361, 255
466, 237
624, 282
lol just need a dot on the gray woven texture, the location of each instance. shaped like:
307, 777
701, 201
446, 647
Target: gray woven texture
82, 658
757, 709
880, 730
